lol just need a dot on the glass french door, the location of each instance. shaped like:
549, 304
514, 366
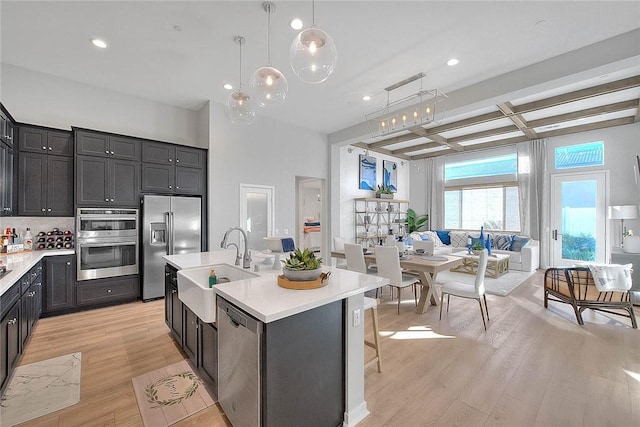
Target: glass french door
578, 218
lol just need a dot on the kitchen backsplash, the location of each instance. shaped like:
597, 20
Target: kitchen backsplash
37, 223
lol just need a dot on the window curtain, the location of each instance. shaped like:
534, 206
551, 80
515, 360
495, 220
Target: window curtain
534, 200
434, 176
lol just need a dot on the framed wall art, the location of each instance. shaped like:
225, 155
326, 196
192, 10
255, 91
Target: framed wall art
390, 175
367, 172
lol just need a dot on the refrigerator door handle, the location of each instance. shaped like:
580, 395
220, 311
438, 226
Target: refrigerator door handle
167, 239
172, 233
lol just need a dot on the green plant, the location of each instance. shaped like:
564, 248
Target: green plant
477, 246
384, 189
302, 260
415, 222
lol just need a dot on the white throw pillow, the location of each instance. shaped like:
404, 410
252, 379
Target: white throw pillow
433, 236
458, 239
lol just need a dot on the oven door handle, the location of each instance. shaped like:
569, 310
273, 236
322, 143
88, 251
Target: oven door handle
102, 245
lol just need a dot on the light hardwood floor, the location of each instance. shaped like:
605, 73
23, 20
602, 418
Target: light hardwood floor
531, 367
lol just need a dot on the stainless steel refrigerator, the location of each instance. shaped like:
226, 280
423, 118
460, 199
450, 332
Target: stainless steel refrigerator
170, 226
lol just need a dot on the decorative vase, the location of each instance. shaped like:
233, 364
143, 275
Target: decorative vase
488, 244
631, 244
482, 234
384, 196
301, 275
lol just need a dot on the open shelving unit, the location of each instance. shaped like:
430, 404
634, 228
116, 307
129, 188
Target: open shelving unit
375, 217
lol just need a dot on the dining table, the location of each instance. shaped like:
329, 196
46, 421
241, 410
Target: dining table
426, 267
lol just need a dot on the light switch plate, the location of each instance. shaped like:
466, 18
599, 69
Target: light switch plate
356, 317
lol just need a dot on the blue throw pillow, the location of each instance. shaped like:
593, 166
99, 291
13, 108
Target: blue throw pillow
518, 243
444, 236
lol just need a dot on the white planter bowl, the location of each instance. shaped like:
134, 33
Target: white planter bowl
632, 244
301, 275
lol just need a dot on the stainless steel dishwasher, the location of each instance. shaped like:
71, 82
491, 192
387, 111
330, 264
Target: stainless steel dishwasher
239, 357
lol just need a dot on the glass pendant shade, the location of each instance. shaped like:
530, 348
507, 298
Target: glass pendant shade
269, 86
313, 55
239, 108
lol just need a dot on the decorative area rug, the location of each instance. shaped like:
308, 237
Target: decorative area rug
170, 394
501, 286
41, 388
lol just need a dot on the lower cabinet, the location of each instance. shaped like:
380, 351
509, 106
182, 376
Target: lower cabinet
100, 291
198, 339
10, 336
60, 273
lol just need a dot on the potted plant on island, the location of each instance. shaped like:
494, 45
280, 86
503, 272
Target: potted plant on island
302, 266
384, 192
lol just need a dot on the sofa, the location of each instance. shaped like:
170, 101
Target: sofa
524, 253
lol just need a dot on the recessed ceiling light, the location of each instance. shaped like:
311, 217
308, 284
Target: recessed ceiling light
452, 62
366, 98
296, 23
227, 86
177, 28
99, 43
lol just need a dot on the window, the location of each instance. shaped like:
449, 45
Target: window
495, 208
580, 155
482, 192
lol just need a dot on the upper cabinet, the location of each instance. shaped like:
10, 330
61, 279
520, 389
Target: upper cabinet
167, 154
8, 133
104, 145
42, 140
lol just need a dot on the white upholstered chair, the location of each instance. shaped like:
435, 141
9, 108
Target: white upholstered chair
355, 258
464, 290
427, 245
338, 245
388, 264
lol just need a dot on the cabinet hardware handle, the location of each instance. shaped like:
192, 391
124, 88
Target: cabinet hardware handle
112, 200
50, 148
44, 148
171, 160
112, 153
106, 151
106, 200
177, 160
177, 187
44, 210
12, 321
170, 186
49, 210
166, 274
108, 291
68, 262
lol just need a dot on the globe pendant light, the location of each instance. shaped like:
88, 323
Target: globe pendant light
239, 108
268, 85
313, 54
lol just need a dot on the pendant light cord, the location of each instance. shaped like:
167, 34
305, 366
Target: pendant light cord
269, 36
313, 13
240, 84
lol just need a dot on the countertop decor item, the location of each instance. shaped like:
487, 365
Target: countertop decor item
302, 265
319, 282
384, 192
632, 244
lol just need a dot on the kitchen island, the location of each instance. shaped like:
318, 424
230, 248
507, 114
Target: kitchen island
304, 334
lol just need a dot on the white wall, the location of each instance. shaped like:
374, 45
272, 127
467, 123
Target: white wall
345, 181
267, 152
43, 99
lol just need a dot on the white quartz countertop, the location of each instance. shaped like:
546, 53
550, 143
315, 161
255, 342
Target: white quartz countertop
200, 259
21, 263
262, 298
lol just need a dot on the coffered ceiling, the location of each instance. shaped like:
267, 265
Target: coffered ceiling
182, 52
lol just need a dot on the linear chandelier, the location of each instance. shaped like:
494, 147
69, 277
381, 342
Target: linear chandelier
407, 113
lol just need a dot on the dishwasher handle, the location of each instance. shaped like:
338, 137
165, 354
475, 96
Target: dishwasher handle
238, 318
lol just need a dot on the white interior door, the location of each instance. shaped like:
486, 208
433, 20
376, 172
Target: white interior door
256, 213
578, 218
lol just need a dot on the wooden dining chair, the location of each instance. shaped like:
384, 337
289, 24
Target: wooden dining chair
388, 263
465, 290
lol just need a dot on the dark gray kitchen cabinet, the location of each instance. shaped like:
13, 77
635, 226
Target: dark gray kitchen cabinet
173, 305
190, 334
107, 182
101, 291
208, 353
169, 154
103, 145
31, 304
172, 180
42, 140
10, 340
45, 185
7, 128
6, 180
59, 291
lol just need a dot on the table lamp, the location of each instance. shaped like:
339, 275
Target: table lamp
622, 213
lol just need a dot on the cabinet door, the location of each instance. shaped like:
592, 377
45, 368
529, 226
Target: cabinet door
176, 315
6, 180
91, 181
10, 133
33, 140
168, 288
36, 288
92, 144
11, 330
59, 186
190, 334
26, 308
158, 178
189, 181
59, 283
208, 356
157, 152
190, 157
60, 143
32, 188
125, 148
124, 182
106, 290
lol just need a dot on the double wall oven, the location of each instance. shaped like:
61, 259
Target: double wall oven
106, 242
